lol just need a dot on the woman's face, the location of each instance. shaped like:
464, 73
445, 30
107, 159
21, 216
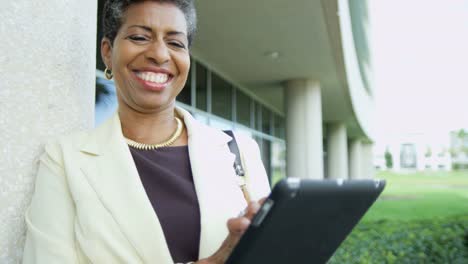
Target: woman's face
149, 57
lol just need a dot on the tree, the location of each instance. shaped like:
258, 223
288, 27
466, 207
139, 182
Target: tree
428, 153
462, 134
459, 149
101, 90
388, 159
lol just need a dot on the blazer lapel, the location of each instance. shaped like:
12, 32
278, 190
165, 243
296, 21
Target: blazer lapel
111, 171
219, 195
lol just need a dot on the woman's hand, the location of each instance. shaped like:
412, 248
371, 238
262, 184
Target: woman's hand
237, 226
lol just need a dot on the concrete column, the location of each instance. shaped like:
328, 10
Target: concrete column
304, 129
337, 151
47, 83
367, 166
355, 159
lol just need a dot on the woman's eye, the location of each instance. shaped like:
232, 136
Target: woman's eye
138, 38
177, 44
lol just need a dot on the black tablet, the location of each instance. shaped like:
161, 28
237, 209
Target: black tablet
304, 221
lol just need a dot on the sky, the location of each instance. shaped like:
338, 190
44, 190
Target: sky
419, 54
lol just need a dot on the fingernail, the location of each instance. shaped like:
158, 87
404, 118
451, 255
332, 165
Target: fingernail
254, 206
245, 222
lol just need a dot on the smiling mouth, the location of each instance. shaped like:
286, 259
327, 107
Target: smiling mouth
153, 77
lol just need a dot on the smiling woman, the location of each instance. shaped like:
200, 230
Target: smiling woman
146, 186
149, 56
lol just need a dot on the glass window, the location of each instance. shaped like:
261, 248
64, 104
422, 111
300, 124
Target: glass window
265, 150
266, 121
278, 162
221, 103
185, 96
202, 87
258, 116
279, 127
243, 108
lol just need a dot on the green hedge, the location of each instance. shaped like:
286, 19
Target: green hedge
423, 241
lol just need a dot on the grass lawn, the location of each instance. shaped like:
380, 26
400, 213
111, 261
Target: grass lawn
421, 195
421, 217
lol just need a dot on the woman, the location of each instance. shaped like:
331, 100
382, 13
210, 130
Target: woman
113, 194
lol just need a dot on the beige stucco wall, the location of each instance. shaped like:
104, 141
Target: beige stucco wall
47, 69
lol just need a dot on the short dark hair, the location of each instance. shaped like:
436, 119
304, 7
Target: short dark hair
114, 11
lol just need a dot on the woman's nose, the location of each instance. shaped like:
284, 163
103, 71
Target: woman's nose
158, 52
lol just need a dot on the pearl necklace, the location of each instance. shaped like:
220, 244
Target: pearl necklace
166, 143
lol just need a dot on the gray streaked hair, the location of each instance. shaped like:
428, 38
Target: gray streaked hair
114, 11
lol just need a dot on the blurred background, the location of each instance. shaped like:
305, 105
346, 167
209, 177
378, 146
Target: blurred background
329, 89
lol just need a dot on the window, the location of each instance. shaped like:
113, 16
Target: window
221, 103
263, 119
201, 87
278, 161
243, 108
266, 121
279, 127
185, 96
258, 116
265, 151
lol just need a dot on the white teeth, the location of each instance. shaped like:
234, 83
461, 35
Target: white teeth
153, 77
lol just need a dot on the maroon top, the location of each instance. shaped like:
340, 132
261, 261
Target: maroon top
167, 177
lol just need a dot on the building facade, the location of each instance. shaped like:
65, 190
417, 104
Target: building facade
308, 62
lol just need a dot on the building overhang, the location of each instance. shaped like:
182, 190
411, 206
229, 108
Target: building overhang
258, 45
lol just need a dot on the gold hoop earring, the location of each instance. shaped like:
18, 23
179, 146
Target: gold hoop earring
108, 74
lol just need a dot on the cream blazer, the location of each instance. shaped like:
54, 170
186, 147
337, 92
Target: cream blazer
89, 205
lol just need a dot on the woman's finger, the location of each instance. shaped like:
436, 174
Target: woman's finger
252, 209
236, 226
